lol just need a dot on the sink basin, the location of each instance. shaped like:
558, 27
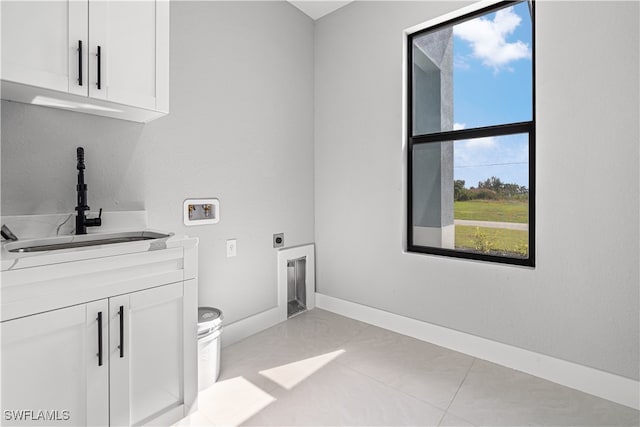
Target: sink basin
69, 242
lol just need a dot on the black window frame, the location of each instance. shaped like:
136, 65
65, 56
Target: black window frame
528, 127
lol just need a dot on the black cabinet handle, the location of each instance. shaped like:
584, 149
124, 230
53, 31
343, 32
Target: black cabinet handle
121, 346
99, 339
80, 62
98, 55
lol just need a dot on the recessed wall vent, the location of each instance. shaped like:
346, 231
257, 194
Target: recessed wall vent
296, 286
296, 281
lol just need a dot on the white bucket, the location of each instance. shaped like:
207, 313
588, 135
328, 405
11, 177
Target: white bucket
209, 330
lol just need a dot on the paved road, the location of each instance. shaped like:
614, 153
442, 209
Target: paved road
493, 224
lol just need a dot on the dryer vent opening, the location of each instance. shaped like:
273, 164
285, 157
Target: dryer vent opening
296, 286
296, 281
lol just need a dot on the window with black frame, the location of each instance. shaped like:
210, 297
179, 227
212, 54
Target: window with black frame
471, 136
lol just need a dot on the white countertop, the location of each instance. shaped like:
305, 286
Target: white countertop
35, 282
56, 228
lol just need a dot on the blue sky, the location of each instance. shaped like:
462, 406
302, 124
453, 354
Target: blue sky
492, 85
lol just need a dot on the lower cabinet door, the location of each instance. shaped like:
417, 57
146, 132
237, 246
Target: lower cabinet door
146, 352
53, 372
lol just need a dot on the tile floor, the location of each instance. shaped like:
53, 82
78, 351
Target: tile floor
322, 369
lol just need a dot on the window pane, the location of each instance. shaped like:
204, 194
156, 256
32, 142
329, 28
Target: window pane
472, 195
473, 74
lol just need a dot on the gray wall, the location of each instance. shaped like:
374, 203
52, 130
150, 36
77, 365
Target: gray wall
240, 129
581, 301
433, 112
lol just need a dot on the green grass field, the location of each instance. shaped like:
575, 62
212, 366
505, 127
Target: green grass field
492, 210
497, 240
502, 240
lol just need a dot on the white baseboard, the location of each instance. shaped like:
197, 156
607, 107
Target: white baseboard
251, 325
608, 386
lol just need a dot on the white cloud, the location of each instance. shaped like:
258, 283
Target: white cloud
480, 143
460, 62
487, 39
476, 143
476, 151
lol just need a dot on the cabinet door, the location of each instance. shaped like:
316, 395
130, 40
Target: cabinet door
40, 41
147, 376
51, 373
133, 39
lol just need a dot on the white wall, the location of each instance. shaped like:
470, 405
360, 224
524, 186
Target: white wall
581, 302
240, 129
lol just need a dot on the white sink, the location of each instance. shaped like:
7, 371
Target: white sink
79, 241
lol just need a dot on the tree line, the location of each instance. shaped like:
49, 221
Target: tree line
490, 189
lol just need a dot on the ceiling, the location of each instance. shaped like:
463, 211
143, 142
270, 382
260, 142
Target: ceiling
317, 9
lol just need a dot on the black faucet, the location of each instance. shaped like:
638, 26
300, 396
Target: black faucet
83, 222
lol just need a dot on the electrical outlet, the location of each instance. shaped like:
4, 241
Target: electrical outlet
278, 240
231, 248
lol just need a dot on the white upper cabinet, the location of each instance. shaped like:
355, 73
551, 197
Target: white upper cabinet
132, 45
95, 56
40, 42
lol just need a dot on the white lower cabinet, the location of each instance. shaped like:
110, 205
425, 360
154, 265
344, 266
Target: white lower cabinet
51, 373
116, 361
147, 371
